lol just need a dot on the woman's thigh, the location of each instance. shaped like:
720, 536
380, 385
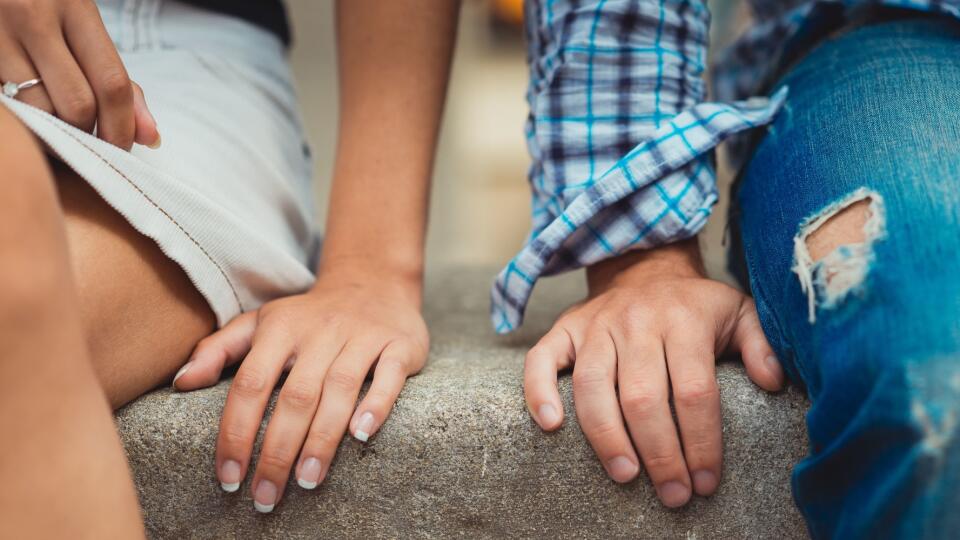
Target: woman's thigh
141, 313
850, 214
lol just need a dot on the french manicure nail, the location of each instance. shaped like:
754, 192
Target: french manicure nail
230, 476
622, 469
265, 498
673, 494
309, 473
364, 427
181, 372
704, 482
548, 415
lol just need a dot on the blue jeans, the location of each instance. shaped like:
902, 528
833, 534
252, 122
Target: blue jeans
873, 330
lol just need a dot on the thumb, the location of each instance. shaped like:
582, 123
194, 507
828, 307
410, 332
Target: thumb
748, 339
146, 132
224, 347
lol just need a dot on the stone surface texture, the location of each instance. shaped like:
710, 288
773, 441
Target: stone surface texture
460, 457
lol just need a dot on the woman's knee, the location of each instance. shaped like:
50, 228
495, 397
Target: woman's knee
33, 257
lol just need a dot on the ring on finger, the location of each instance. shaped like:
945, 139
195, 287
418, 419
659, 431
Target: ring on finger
11, 89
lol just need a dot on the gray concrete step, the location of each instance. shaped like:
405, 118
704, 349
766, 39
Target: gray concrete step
460, 457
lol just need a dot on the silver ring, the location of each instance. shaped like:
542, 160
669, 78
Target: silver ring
11, 89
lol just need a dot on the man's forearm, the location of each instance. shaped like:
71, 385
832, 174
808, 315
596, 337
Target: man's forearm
394, 63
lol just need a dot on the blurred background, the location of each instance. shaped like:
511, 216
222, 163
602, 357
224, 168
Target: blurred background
481, 203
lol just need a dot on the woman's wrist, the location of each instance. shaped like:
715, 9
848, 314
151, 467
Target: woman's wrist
679, 259
404, 278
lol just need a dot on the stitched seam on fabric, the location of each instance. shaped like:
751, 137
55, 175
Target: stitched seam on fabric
236, 295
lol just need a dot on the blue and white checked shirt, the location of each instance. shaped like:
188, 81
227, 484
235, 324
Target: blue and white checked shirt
619, 133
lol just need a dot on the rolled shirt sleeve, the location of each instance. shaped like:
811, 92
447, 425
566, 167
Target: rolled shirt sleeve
619, 134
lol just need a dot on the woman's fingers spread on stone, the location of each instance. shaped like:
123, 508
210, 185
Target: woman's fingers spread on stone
399, 360
644, 399
595, 399
554, 352
696, 396
341, 386
296, 405
246, 403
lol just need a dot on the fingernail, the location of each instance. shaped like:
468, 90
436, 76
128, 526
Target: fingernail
673, 494
156, 143
265, 498
622, 469
364, 427
704, 482
309, 473
548, 415
180, 373
230, 476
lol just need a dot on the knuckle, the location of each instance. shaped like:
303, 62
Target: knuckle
603, 430
276, 459
636, 317
700, 447
249, 383
678, 312
397, 363
537, 354
115, 87
662, 461
590, 377
321, 439
696, 392
641, 402
80, 111
343, 380
299, 396
19, 11
235, 438
378, 395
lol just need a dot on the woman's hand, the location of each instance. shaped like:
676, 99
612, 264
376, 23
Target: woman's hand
84, 83
651, 324
349, 324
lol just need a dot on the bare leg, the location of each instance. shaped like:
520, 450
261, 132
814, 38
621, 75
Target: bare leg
141, 313
63, 469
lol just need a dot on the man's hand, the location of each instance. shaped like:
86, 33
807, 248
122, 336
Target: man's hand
652, 324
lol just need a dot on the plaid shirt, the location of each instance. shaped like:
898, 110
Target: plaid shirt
620, 136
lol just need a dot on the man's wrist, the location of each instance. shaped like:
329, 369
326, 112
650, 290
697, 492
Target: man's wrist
679, 259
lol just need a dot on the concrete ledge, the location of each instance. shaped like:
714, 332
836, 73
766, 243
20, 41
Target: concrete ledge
460, 456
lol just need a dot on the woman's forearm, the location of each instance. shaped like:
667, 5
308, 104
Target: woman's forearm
394, 62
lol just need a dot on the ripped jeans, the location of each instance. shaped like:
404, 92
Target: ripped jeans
872, 330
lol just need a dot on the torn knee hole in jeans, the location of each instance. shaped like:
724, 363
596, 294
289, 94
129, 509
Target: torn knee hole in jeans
833, 250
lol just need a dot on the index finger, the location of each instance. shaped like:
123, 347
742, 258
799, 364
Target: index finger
246, 403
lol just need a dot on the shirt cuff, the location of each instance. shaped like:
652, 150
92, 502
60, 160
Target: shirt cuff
641, 201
